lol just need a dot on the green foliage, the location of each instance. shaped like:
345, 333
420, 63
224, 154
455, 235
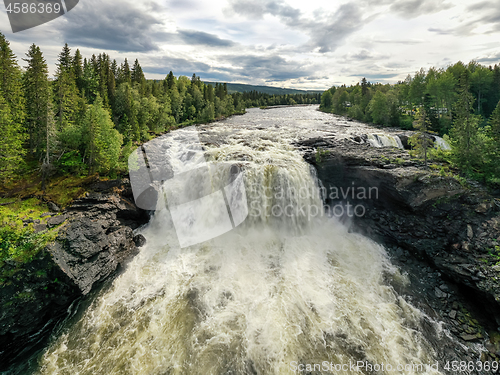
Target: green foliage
420, 140
12, 112
379, 108
38, 102
71, 163
326, 100
320, 155
456, 102
102, 141
19, 243
467, 143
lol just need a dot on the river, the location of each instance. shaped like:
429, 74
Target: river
281, 291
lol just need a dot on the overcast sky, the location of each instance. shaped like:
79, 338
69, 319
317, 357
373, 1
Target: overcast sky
288, 43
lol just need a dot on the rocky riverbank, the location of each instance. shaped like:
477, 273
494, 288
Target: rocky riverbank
95, 237
442, 230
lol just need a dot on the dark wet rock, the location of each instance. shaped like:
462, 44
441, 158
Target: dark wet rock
39, 227
53, 207
139, 240
95, 237
439, 293
56, 220
37, 296
428, 219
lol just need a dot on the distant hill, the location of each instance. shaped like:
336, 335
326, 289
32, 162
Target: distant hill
240, 87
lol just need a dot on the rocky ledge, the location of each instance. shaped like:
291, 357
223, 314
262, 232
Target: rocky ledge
95, 237
449, 225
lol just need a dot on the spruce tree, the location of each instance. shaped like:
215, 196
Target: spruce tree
12, 112
124, 75
420, 140
65, 90
90, 82
495, 126
102, 142
11, 82
11, 150
170, 81
78, 70
103, 71
465, 129
494, 134
37, 94
137, 74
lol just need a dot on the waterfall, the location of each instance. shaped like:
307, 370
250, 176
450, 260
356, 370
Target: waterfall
384, 140
441, 143
288, 287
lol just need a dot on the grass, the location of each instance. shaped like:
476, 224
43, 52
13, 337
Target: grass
21, 206
61, 190
320, 155
18, 241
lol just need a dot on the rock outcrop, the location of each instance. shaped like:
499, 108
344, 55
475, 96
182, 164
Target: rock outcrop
95, 237
451, 224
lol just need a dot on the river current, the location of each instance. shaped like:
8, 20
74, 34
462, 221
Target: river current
282, 292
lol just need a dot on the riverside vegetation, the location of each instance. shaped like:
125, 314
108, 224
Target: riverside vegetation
460, 103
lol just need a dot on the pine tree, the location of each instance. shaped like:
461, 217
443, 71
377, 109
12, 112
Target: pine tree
102, 72
137, 75
90, 82
493, 149
78, 70
494, 123
103, 142
65, 90
37, 94
51, 145
170, 81
126, 112
420, 140
11, 82
124, 75
11, 150
465, 130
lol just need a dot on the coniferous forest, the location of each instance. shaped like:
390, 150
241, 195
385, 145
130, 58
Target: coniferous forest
460, 103
94, 111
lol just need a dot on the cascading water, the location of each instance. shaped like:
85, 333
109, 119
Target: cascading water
440, 143
282, 290
385, 140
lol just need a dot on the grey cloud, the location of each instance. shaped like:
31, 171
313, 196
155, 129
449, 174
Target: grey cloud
329, 35
362, 55
193, 37
379, 76
271, 68
488, 14
492, 58
106, 25
178, 66
415, 8
440, 31
409, 41
242, 67
480, 6
326, 33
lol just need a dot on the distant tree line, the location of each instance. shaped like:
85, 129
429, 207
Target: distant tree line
94, 112
461, 103
258, 99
